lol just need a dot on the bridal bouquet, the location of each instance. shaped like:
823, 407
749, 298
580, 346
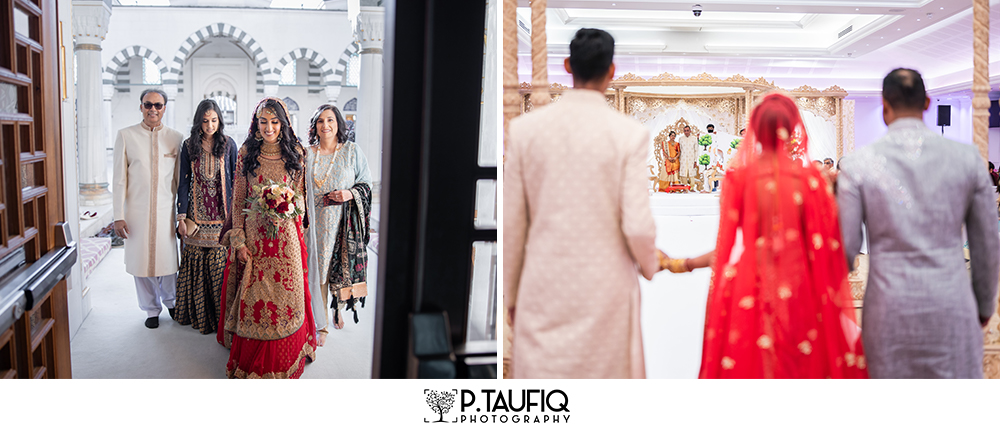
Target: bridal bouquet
735, 143
705, 140
276, 201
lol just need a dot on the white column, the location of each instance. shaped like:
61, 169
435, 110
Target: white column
90, 25
108, 92
368, 129
168, 116
332, 93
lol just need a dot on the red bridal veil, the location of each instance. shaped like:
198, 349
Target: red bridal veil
780, 304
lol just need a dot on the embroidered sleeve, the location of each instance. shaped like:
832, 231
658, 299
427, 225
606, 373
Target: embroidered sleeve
236, 235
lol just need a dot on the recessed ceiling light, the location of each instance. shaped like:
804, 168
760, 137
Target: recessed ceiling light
942, 7
898, 29
777, 7
857, 9
918, 19
614, 4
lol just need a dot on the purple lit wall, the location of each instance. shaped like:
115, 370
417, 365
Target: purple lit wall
869, 126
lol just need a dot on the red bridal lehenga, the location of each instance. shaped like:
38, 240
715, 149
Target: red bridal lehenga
780, 304
267, 321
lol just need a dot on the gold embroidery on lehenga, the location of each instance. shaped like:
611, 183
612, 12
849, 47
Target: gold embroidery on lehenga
746, 302
784, 292
270, 295
849, 357
812, 334
307, 352
817, 241
861, 362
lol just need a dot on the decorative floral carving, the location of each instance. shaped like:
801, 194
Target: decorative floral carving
834, 89
825, 107
646, 108
859, 278
806, 88
991, 365
556, 87
666, 76
738, 79
611, 101
525, 86
704, 76
762, 81
630, 77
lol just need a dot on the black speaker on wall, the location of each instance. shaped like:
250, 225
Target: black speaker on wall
944, 115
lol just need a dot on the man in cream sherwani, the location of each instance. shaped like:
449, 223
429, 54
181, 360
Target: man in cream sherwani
689, 156
578, 230
145, 197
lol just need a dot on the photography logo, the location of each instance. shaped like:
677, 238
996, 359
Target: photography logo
440, 402
493, 406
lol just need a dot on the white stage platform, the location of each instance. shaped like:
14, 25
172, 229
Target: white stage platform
673, 305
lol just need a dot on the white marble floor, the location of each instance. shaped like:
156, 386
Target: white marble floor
114, 343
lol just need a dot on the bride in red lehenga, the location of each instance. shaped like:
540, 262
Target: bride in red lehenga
780, 304
267, 320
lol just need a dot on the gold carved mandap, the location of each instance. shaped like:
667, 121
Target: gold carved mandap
662, 101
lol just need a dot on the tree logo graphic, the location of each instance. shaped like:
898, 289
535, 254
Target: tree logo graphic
440, 402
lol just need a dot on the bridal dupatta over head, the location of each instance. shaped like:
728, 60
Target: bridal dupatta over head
780, 304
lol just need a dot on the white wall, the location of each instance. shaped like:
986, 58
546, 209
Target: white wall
869, 126
961, 118
868, 123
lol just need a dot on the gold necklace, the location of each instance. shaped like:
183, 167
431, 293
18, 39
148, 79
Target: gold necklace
270, 150
320, 183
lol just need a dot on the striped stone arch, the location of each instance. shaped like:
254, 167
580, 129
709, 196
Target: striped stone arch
121, 59
222, 30
315, 58
341, 68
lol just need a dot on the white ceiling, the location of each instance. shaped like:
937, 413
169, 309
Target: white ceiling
791, 43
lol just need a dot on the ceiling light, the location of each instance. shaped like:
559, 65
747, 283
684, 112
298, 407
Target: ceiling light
918, 19
857, 9
942, 7
898, 29
777, 7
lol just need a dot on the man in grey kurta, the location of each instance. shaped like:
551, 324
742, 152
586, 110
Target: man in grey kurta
914, 191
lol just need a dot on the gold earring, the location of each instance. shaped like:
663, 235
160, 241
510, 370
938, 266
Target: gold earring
257, 135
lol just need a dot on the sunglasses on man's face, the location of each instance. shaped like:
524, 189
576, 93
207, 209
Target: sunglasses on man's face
150, 105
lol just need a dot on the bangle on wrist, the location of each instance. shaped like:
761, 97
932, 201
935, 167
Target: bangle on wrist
678, 266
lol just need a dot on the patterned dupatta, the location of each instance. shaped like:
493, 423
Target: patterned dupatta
349, 264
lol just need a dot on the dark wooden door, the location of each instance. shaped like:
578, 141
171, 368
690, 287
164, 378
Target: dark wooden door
31, 196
